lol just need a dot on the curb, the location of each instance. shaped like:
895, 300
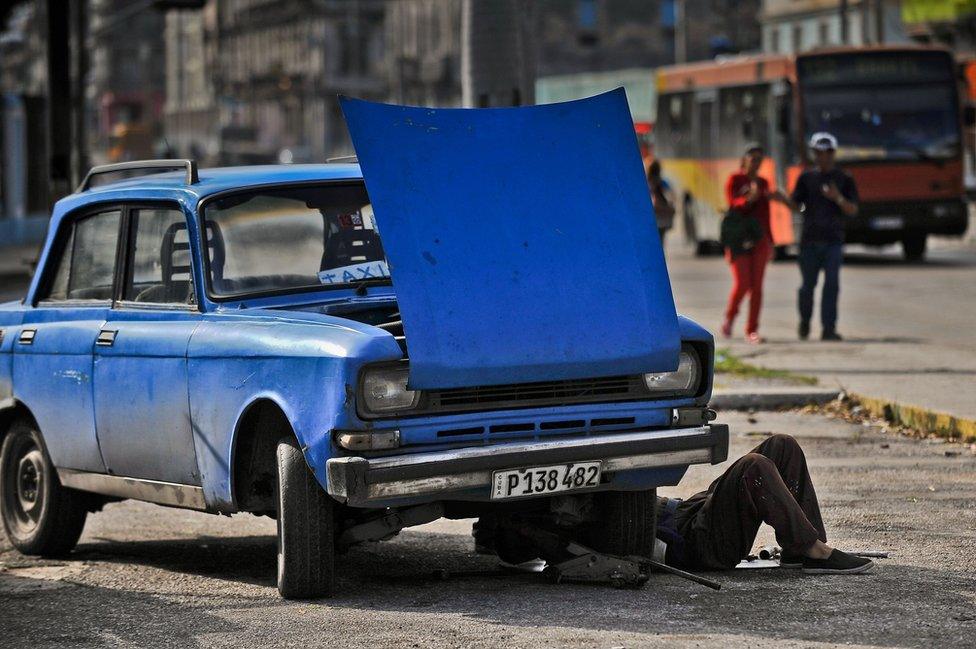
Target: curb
772, 399
918, 418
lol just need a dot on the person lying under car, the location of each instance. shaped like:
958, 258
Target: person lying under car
716, 528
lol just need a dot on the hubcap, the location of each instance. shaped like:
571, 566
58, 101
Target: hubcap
28, 481
23, 487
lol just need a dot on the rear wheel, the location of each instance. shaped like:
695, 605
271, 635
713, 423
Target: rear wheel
628, 523
40, 516
913, 247
306, 528
688, 221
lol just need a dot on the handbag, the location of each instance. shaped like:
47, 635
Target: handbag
739, 233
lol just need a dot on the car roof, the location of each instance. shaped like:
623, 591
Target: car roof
173, 185
223, 178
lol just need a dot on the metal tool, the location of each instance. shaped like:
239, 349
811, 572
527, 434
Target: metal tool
586, 565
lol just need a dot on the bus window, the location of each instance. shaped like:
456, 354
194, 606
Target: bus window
744, 118
672, 132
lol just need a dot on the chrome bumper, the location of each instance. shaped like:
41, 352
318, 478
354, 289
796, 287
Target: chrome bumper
359, 481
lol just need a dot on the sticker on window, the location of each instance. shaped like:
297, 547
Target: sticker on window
354, 272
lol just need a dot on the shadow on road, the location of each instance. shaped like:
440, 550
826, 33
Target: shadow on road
393, 581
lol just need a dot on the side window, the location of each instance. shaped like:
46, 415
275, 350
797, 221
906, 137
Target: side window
159, 270
86, 267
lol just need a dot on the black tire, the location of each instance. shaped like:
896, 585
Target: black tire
913, 247
41, 517
306, 529
688, 222
628, 523
494, 534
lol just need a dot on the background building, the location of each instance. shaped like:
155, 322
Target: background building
279, 69
256, 81
949, 22
125, 89
790, 26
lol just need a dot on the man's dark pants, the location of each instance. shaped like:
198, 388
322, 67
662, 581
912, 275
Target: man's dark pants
816, 257
772, 485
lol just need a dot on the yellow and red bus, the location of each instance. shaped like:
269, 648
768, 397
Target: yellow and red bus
895, 111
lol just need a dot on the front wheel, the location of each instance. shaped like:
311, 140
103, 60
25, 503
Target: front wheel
41, 516
913, 247
306, 528
628, 523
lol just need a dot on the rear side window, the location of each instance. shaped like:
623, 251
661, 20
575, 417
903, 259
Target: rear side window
160, 262
86, 267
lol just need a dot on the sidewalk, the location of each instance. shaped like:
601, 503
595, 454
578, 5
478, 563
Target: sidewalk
910, 330
16, 262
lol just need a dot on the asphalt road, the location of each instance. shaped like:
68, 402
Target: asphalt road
146, 576
908, 327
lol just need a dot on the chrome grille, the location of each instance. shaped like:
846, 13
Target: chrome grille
544, 393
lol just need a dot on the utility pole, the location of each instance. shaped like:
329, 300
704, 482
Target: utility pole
879, 21
866, 32
680, 32
844, 35
59, 97
79, 77
497, 53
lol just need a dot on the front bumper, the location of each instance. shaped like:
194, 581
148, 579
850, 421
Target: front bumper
359, 481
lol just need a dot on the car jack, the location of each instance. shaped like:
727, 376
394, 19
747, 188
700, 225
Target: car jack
585, 565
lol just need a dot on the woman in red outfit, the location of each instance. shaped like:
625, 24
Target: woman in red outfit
749, 194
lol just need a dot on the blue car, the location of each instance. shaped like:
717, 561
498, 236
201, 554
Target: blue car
243, 340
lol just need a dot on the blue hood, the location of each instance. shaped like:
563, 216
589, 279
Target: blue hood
521, 241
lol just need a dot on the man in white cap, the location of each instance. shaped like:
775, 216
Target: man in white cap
827, 196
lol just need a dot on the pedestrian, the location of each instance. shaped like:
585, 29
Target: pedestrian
826, 195
748, 196
662, 199
716, 529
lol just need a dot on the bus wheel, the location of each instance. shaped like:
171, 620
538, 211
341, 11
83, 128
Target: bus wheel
913, 247
688, 220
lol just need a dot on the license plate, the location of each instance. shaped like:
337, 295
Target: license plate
538, 480
887, 223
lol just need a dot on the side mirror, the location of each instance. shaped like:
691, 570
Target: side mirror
969, 115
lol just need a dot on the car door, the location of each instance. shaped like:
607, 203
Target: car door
141, 400
52, 351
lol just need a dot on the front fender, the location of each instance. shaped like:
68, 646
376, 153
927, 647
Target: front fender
308, 370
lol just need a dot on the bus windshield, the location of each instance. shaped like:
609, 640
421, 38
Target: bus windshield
891, 122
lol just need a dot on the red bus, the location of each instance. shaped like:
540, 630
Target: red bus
895, 111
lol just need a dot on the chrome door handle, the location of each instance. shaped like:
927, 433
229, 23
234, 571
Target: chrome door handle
27, 336
106, 338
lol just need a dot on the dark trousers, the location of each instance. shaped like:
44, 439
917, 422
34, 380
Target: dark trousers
816, 257
769, 485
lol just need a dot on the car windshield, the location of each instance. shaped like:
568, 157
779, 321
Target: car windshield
292, 238
909, 122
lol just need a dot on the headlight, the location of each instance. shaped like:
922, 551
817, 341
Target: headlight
385, 390
683, 380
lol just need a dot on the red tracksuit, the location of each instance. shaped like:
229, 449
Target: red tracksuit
748, 268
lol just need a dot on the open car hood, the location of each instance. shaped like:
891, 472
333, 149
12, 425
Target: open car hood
521, 241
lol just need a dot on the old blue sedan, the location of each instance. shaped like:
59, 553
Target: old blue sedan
242, 340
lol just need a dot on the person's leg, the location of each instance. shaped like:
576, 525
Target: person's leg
791, 463
740, 266
809, 270
722, 529
757, 271
833, 257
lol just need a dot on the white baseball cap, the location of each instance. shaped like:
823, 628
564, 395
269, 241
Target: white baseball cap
823, 141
